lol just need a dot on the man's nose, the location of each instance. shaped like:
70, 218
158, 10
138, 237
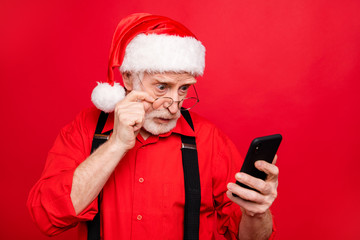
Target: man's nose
174, 108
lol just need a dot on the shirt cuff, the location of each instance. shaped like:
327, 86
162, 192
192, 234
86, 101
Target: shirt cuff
57, 202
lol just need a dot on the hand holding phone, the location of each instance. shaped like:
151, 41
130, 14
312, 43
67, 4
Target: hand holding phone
261, 148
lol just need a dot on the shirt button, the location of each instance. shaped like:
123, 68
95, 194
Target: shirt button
141, 180
139, 217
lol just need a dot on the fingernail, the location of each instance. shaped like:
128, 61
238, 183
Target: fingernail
259, 164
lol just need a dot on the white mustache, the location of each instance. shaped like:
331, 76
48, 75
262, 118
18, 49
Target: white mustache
162, 113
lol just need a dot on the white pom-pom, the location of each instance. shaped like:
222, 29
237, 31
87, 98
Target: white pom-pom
105, 96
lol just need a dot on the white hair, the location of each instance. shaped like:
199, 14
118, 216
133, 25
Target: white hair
136, 80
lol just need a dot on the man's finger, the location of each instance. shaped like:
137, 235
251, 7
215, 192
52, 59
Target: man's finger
147, 105
136, 96
270, 169
251, 207
245, 193
275, 159
251, 181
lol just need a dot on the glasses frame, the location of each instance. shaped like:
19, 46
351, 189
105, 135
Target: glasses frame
178, 102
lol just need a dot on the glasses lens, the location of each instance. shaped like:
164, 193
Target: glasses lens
164, 102
188, 103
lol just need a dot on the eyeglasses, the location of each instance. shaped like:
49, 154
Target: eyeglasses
184, 105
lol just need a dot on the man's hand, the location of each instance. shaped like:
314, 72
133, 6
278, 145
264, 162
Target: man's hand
129, 116
252, 202
256, 221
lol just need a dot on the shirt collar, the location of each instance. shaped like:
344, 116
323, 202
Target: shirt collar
182, 127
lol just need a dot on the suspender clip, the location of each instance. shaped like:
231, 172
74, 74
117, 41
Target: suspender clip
188, 146
101, 136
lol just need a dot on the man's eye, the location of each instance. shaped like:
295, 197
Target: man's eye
184, 88
161, 87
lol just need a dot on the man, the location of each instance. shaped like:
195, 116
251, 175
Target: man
160, 174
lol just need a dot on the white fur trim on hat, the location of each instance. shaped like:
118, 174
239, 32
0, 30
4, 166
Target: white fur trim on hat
164, 53
105, 97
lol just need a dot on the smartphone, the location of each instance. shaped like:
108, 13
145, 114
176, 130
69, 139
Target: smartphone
261, 148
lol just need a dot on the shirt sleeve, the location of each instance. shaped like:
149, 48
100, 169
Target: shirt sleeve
227, 162
49, 200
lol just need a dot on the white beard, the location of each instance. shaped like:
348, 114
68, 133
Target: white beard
158, 128
149, 124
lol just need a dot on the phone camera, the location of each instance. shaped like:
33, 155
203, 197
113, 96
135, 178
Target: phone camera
258, 147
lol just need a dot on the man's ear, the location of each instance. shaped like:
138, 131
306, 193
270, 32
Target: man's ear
127, 80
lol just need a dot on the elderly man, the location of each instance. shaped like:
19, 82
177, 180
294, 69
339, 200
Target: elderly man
139, 166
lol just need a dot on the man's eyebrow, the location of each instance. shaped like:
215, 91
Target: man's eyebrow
160, 80
170, 81
193, 81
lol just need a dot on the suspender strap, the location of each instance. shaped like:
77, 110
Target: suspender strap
192, 184
98, 139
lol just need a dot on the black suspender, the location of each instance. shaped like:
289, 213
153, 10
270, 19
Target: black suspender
191, 182
98, 139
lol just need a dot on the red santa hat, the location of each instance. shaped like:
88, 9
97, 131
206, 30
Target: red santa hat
148, 43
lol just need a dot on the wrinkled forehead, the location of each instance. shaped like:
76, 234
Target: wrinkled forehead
170, 77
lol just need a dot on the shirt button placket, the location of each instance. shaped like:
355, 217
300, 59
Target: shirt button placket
139, 217
141, 180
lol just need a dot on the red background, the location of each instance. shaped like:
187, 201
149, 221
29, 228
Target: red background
290, 67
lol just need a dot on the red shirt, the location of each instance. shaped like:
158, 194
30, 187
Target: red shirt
144, 197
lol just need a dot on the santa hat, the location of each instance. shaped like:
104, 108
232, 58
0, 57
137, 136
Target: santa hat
148, 43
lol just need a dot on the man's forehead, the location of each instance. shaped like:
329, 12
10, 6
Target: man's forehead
171, 77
